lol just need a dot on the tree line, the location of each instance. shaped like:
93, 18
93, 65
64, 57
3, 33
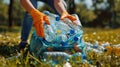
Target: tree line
103, 13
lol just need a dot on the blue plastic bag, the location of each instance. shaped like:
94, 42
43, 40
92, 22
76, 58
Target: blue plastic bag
67, 37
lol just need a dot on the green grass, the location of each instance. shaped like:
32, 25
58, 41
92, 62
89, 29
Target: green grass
10, 38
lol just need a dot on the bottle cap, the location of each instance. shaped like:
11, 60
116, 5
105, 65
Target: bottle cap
58, 31
57, 18
84, 56
72, 31
63, 43
47, 12
75, 38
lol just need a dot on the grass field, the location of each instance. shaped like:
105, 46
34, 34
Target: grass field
10, 38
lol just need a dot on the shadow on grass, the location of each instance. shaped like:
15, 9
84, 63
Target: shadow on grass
8, 51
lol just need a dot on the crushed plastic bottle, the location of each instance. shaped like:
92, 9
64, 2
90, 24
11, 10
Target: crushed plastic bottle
77, 20
77, 27
62, 26
49, 33
59, 36
63, 55
51, 15
53, 55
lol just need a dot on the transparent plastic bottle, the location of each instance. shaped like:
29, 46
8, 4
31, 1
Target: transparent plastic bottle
77, 20
49, 33
52, 16
63, 55
77, 27
73, 39
105, 44
64, 39
101, 48
60, 37
62, 26
61, 30
71, 33
96, 45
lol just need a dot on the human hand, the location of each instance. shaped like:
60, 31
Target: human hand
38, 20
67, 15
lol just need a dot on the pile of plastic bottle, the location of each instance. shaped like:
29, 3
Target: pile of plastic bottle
62, 39
60, 36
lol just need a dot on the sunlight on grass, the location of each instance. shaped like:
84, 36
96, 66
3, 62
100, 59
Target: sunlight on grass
102, 35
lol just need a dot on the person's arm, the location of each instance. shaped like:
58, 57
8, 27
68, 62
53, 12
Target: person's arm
61, 9
59, 6
38, 17
27, 5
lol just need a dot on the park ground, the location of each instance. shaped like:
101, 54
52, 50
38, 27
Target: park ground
10, 38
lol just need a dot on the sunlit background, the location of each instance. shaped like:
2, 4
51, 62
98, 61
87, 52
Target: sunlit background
89, 2
92, 13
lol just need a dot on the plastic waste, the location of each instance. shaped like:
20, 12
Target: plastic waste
49, 33
57, 54
59, 36
63, 55
77, 27
64, 28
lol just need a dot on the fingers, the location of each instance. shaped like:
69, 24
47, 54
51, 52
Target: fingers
63, 16
66, 15
72, 18
74, 22
45, 18
39, 29
39, 25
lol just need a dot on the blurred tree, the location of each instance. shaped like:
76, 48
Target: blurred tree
18, 13
115, 13
10, 13
102, 12
106, 11
3, 12
111, 6
86, 15
15, 13
71, 6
